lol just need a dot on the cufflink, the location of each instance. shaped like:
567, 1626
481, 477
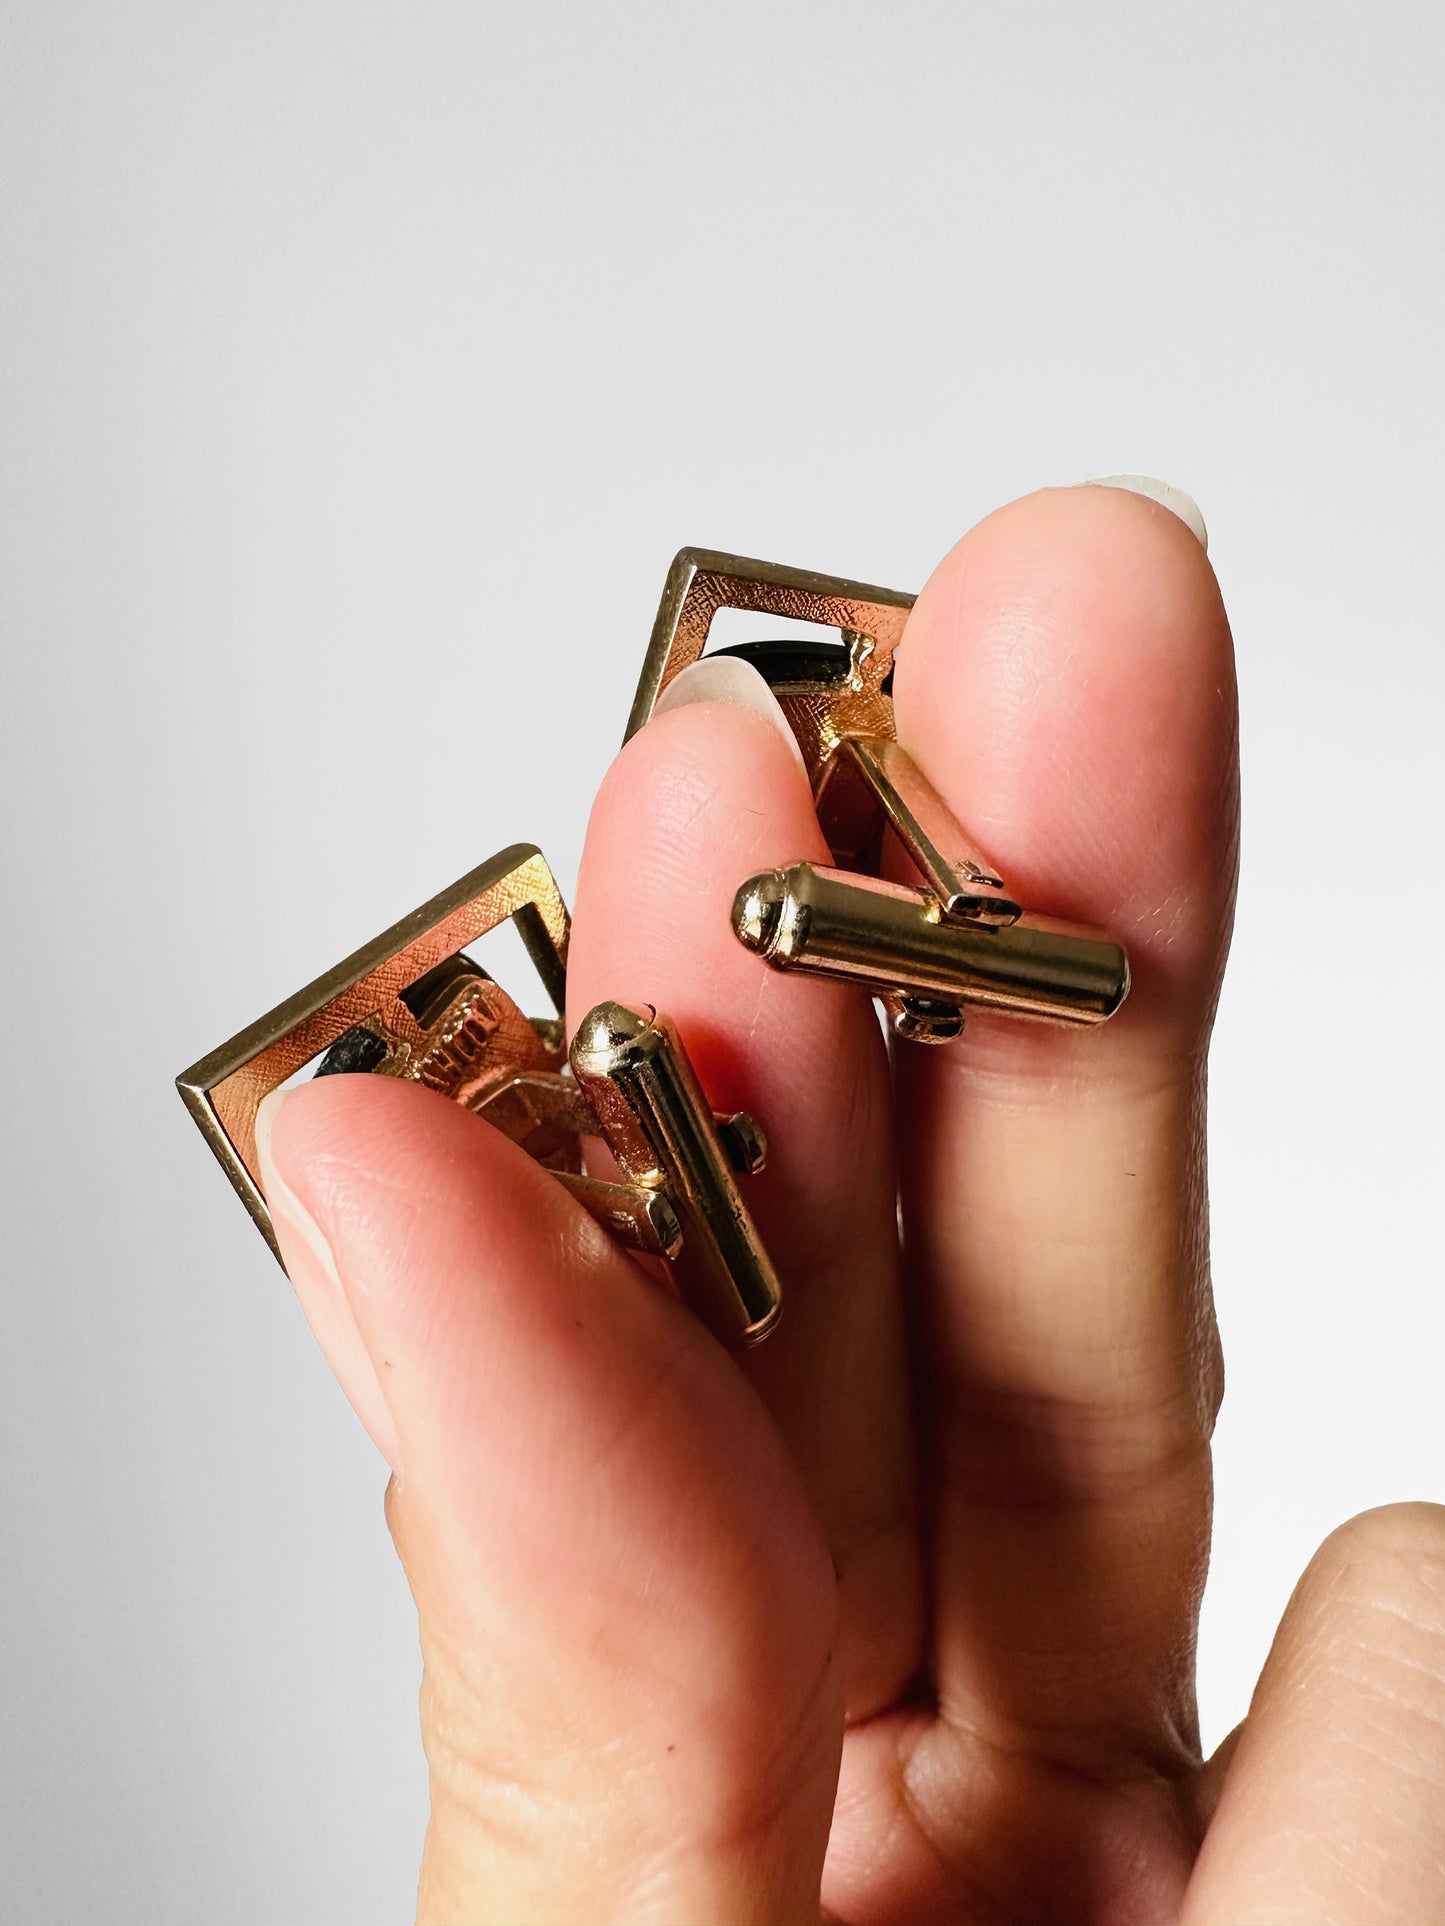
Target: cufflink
413, 1004
957, 941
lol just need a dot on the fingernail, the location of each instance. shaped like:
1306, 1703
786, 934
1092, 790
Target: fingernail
1163, 492
311, 1266
729, 679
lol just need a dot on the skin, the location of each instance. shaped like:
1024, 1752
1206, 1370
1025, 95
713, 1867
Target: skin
893, 1620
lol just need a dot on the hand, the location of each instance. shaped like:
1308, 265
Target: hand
901, 1607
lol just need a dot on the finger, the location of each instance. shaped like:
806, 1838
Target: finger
707, 794
626, 1614
1066, 682
1333, 1808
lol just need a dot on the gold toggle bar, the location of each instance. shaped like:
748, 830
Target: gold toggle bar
893, 941
636, 1075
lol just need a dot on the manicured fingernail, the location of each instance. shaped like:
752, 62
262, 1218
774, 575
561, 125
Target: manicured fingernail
311, 1266
727, 678
1163, 492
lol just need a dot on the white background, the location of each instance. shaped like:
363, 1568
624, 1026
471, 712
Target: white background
362, 367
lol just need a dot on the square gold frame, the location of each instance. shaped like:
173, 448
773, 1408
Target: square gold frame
224, 1090
701, 581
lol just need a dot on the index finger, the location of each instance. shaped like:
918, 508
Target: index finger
705, 795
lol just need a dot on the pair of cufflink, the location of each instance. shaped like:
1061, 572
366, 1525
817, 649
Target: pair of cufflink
413, 1004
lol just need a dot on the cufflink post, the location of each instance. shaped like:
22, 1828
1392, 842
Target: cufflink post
961, 940
412, 1005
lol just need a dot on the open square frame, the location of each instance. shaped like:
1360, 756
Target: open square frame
701, 581
224, 1090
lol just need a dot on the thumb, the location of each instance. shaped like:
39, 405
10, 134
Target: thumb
630, 1708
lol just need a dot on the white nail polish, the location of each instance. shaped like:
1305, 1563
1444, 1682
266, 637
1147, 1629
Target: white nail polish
282, 1201
322, 1295
729, 679
1163, 492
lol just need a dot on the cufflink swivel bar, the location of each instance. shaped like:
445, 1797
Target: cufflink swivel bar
961, 940
633, 1070
883, 936
411, 1004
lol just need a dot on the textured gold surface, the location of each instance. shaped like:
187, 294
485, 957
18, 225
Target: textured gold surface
822, 714
224, 1090
701, 581
855, 796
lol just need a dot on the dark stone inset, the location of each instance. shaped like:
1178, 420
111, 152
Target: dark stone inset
358, 1049
361, 1049
793, 661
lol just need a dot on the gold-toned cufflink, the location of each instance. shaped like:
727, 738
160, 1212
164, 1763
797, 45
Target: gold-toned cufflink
412, 1004
958, 941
